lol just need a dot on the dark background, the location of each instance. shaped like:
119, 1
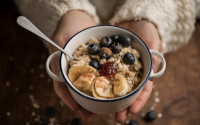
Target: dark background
26, 89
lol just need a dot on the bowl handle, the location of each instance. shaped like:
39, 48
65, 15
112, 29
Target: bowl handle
52, 75
158, 74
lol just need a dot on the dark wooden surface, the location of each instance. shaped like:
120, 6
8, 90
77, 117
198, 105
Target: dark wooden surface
23, 76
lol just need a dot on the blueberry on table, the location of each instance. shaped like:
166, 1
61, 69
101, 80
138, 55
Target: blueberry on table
115, 38
124, 40
49, 111
129, 58
94, 64
150, 116
116, 48
133, 122
105, 41
93, 49
105, 53
43, 121
76, 121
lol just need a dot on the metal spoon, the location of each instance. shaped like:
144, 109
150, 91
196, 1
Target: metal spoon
25, 23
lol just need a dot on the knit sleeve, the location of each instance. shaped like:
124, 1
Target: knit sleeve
174, 19
45, 14
197, 8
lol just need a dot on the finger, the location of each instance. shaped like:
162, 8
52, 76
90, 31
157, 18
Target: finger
121, 116
86, 116
142, 98
64, 94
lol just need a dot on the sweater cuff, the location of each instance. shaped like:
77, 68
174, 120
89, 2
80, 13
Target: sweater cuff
174, 20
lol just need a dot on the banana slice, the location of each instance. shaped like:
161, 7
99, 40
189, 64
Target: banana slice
84, 82
102, 89
77, 69
95, 94
120, 85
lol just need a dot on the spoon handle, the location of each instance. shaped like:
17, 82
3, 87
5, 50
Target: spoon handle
25, 23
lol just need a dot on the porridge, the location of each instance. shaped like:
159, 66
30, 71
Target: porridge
106, 68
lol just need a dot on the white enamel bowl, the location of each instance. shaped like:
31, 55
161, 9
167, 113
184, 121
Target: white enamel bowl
105, 106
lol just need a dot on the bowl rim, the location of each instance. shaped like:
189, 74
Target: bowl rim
106, 100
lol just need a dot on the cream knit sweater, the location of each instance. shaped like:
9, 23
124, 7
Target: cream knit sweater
174, 19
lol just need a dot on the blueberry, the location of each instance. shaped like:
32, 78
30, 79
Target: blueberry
116, 47
93, 49
94, 64
49, 111
43, 121
76, 121
129, 58
133, 122
105, 41
114, 38
150, 116
105, 53
124, 40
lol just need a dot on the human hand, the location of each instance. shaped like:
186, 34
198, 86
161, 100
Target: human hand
70, 23
149, 34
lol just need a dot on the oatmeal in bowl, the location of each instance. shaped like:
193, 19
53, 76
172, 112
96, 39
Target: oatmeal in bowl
106, 67
109, 71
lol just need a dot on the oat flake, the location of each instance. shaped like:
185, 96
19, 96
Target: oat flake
36, 105
143, 114
156, 93
36, 119
61, 103
127, 121
33, 113
159, 115
157, 100
42, 75
52, 120
152, 108
31, 97
7, 83
8, 113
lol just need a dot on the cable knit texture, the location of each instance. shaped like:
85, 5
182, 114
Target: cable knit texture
45, 14
174, 19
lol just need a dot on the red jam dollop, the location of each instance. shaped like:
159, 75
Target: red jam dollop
108, 70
